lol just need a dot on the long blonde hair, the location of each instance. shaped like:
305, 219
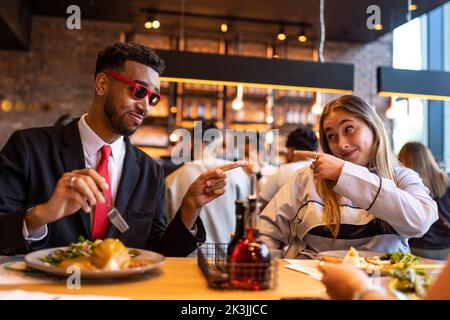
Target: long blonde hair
418, 157
382, 160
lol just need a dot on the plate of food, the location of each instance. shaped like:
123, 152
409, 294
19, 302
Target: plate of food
379, 261
100, 259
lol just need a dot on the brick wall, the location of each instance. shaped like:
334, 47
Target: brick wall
366, 58
56, 75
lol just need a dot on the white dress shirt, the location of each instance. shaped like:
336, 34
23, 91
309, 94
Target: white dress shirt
218, 216
92, 144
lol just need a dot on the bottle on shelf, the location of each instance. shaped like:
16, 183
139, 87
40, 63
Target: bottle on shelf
249, 262
200, 109
297, 115
214, 111
189, 110
289, 116
194, 110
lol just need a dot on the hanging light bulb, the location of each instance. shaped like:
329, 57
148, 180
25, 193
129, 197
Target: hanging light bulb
302, 37
173, 137
224, 27
378, 27
152, 23
148, 25
281, 35
156, 24
238, 102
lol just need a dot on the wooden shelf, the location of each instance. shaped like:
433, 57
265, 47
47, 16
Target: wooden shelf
158, 121
248, 126
200, 118
199, 93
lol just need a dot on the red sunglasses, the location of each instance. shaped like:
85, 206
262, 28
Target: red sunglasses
139, 91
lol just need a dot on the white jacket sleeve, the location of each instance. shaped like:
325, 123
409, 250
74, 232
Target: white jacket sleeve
406, 204
275, 219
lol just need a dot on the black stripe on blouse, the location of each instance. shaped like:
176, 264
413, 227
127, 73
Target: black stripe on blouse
350, 231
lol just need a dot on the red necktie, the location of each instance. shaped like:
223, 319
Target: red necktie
101, 221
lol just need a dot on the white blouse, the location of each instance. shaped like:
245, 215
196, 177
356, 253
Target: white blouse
377, 214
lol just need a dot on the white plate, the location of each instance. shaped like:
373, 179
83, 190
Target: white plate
366, 254
342, 253
33, 260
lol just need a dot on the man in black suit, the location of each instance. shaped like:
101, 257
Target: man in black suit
46, 182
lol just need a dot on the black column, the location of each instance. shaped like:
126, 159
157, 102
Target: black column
436, 62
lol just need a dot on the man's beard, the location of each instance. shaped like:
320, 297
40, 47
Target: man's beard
116, 122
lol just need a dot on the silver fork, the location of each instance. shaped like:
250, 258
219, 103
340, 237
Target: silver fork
311, 255
116, 219
114, 215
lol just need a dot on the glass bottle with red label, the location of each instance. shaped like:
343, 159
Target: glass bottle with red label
250, 260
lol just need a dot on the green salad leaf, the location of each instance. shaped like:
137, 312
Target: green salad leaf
400, 258
79, 249
410, 280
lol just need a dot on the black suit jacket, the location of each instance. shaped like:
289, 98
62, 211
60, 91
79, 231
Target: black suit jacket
34, 159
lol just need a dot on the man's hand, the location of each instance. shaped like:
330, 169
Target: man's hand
73, 191
207, 187
325, 166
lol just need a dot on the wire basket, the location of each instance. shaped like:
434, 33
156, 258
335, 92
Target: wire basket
221, 274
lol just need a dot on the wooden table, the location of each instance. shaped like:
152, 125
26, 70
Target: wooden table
181, 278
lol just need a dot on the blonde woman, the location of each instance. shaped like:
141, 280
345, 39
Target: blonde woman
354, 194
435, 244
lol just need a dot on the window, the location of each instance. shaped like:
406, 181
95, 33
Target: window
409, 52
446, 68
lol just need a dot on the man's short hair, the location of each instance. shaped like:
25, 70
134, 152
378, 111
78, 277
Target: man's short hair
302, 138
114, 57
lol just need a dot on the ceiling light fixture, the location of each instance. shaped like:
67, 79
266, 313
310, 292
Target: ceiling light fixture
156, 24
302, 38
281, 35
431, 85
378, 27
238, 102
152, 23
217, 69
224, 27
